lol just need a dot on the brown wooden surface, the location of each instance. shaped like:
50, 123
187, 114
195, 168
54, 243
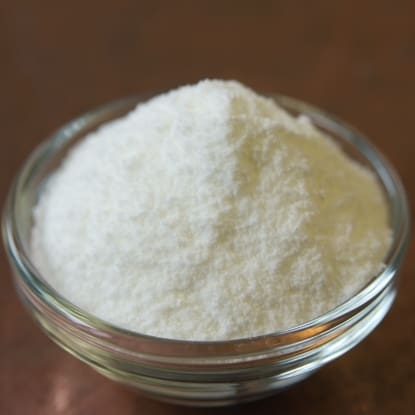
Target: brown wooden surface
59, 59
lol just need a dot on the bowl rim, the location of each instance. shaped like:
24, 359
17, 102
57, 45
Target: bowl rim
394, 191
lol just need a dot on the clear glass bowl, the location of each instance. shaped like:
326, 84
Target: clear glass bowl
189, 372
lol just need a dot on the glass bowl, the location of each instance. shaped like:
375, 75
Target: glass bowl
190, 372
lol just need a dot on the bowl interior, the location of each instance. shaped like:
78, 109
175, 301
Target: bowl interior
50, 154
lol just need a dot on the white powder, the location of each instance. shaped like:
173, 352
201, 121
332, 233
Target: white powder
209, 213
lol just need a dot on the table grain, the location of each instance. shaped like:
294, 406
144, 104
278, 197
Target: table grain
59, 59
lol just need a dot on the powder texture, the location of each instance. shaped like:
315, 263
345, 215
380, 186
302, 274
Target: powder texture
209, 213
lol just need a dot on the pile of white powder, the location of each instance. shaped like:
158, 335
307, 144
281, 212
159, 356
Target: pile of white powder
209, 213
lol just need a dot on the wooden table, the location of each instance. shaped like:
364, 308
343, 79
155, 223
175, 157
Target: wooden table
59, 59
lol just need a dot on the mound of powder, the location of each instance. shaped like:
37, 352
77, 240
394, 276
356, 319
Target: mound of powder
209, 213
